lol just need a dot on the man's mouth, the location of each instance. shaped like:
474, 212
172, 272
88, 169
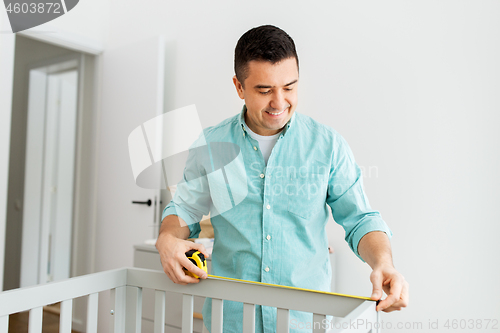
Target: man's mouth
276, 113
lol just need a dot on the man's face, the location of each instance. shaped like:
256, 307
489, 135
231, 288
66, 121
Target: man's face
270, 94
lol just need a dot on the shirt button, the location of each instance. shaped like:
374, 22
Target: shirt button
262, 175
268, 237
267, 269
254, 148
268, 206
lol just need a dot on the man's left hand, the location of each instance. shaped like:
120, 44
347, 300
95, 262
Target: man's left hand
388, 279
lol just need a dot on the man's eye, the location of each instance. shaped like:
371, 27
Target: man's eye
264, 92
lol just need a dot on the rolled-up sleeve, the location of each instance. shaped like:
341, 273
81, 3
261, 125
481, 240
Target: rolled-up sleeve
192, 198
347, 200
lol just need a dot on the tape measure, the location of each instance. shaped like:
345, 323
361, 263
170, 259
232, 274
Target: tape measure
198, 259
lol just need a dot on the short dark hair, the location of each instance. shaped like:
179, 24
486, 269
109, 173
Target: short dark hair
265, 43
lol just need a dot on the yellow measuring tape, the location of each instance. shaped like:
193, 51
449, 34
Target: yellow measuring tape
288, 287
198, 259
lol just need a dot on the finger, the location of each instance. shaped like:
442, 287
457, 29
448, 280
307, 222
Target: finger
182, 278
390, 309
403, 300
396, 286
173, 277
376, 279
174, 271
187, 264
405, 295
170, 270
186, 279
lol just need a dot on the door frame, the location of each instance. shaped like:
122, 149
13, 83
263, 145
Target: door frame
7, 49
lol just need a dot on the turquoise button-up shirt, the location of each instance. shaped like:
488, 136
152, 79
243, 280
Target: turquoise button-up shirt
269, 220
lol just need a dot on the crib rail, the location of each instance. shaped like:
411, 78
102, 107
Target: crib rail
126, 287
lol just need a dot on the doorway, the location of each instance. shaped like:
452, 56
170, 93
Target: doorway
59, 68
35, 53
49, 171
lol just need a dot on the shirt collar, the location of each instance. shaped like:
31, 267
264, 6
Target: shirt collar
242, 121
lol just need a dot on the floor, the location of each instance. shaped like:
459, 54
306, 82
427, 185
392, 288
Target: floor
18, 322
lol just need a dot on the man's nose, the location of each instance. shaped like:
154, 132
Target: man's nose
278, 101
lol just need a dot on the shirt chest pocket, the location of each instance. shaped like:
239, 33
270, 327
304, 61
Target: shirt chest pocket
306, 195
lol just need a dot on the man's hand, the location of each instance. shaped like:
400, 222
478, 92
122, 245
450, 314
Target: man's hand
395, 286
375, 249
172, 247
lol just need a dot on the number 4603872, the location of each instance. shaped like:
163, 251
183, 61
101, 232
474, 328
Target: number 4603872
42, 7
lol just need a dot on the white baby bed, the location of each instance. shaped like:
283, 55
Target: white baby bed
358, 314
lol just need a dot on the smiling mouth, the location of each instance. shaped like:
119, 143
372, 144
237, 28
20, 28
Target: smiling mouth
277, 113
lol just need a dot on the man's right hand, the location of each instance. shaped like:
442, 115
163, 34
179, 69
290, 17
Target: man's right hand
172, 250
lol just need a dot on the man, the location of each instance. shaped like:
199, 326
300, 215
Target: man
295, 168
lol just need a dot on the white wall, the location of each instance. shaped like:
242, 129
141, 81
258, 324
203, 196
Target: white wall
410, 85
88, 19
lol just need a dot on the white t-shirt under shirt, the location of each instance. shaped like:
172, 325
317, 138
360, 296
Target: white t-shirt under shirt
266, 143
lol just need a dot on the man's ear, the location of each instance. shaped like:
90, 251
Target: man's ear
239, 87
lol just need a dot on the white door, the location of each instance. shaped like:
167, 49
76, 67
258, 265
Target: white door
132, 93
49, 172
